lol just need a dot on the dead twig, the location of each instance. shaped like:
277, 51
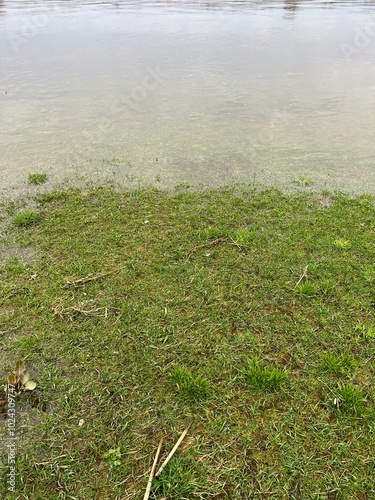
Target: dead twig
152, 473
239, 245
222, 239
173, 451
91, 277
78, 309
303, 275
50, 461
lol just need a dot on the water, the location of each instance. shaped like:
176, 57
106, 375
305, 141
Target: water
204, 92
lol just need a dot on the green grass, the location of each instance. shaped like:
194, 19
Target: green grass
350, 399
26, 218
179, 481
37, 178
340, 364
261, 377
250, 314
244, 236
190, 387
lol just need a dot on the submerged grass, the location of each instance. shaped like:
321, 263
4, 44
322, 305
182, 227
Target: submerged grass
148, 310
37, 178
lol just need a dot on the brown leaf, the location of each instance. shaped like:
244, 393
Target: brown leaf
12, 379
19, 368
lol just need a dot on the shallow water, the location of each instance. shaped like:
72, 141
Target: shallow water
203, 92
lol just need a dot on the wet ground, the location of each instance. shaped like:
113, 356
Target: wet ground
200, 92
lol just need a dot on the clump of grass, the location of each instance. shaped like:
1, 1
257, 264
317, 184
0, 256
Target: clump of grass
182, 186
307, 288
26, 218
366, 332
303, 181
341, 364
177, 480
351, 399
341, 243
244, 236
190, 387
118, 161
262, 377
37, 178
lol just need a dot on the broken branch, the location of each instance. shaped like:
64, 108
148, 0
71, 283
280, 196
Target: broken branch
152, 473
174, 449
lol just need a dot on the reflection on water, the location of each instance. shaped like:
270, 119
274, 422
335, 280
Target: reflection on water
168, 91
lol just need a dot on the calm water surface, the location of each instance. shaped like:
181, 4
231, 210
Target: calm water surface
199, 91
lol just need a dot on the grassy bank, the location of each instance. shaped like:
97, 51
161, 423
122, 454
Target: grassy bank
251, 315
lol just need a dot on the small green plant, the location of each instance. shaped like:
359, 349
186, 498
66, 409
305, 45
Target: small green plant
37, 178
261, 377
190, 387
350, 399
19, 381
113, 456
26, 218
341, 364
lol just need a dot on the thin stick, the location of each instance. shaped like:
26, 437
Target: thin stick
152, 473
50, 461
77, 309
222, 239
173, 451
303, 275
91, 277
